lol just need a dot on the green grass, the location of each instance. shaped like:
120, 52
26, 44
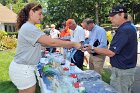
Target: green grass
5, 59
106, 75
6, 86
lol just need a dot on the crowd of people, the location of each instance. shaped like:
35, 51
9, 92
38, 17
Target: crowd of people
77, 39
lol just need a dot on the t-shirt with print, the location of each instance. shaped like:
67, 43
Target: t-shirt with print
28, 50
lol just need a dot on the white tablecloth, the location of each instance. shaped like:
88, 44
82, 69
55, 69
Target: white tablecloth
42, 84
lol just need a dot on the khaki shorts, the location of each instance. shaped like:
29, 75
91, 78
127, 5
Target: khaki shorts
22, 76
122, 80
96, 63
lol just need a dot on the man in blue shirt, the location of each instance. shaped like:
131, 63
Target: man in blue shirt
97, 38
122, 51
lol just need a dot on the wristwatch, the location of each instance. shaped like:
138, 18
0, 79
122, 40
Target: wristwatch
92, 48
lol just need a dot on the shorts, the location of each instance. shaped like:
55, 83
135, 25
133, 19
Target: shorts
122, 79
23, 76
96, 63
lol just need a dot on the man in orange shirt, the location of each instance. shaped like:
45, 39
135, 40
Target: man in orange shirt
65, 31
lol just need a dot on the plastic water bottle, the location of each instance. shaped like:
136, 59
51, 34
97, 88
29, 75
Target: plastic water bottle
46, 53
63, 62
42, 53
82, 88
72, 68
76, 86
74, 78
66, 71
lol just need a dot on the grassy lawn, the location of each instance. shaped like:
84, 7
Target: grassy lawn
6, 86
106, 75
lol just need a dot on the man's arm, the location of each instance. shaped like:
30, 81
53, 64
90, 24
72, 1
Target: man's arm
102, 51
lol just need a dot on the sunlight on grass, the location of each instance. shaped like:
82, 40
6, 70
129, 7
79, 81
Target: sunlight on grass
5, 60
6, 86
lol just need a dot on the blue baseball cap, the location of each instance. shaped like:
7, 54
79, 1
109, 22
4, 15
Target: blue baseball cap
117, 9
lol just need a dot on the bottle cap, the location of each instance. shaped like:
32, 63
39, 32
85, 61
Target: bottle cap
46, 52
72, 64
73, 75
57, 51
76, 84
65, 68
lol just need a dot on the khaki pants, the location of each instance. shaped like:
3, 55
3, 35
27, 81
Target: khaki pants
122, 80
96, 63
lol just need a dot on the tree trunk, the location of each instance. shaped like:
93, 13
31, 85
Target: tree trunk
97, 13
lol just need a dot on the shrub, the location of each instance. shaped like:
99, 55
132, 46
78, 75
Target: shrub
9, 42
2, 34
6, 41
13, 33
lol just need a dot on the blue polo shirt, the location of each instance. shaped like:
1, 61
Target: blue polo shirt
124, 45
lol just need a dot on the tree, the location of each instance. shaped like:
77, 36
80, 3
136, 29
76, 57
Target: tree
18, 6
5, 2
60, 10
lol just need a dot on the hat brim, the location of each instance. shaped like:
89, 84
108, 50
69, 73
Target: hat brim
112, 14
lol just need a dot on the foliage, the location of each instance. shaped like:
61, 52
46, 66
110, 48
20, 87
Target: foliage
106, 25
60, 10
2, 34
18, 6
12, 33
5, 2
39, 26
133, 7
7, 42
109, 36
